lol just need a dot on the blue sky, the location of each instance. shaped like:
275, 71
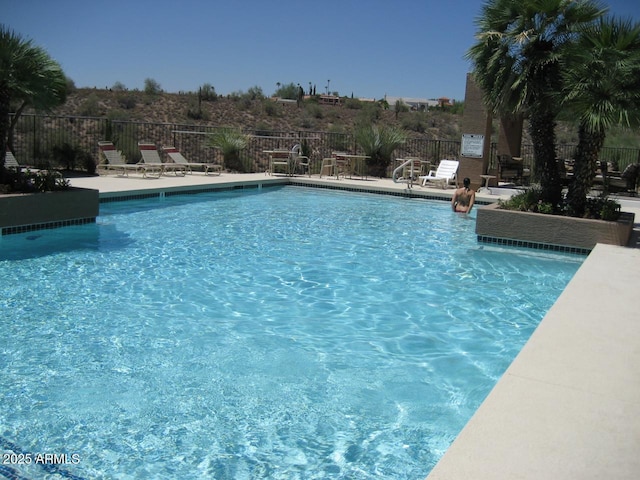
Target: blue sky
408, 48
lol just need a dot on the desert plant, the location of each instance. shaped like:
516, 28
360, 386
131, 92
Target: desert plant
90, 107
271, 108
152, 87
28, 77
289, 91
313, 110
231, 142
416, 122
353, 103
370, 113
207, 93
530, 200
118, 87
378, 143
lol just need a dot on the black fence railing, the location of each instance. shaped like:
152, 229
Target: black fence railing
35, 137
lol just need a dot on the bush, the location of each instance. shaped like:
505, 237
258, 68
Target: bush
90, 107
530, 200
527, 201
31, 182
314, 111
353, 103
415, 122
208, 93
128, 102
271, 108
152, 87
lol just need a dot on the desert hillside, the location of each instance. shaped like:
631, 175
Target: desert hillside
254, 114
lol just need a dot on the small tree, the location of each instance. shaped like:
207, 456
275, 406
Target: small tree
231, 142
289, 91
378, 143
151, 87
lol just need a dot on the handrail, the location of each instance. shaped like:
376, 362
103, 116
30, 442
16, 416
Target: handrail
408, 181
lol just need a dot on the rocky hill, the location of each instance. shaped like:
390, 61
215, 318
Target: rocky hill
266, 114
255, 114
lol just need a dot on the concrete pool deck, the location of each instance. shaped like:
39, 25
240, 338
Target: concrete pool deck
568, 407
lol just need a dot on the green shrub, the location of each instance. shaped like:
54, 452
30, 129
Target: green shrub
90, 107
415, 122
314, 111
530, 200
289, 91
128, 102
603, 208
353, 103
271, 108
208, 93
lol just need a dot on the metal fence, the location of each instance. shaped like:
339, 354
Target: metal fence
36, 136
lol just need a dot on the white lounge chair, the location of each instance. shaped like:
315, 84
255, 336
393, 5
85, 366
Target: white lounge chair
151, 157
179, 159
446, 173
11, 162
116, 161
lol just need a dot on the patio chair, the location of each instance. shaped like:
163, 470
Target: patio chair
328, 167
151, 157
511, 169
116, 161
179, 159
300, 160
446, 173
279, 159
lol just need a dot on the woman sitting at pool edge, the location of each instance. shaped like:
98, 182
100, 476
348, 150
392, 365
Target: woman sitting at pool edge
463, 198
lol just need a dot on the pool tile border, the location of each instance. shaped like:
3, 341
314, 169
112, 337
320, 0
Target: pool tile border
533, 245
46, 225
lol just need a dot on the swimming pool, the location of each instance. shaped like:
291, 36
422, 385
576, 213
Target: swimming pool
278, 333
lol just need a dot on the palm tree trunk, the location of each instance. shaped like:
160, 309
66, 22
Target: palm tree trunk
4, 130
584, 170
545, 168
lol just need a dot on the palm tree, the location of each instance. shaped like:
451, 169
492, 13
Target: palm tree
28, 77
601, 88
517, 64
231, 142
378, 143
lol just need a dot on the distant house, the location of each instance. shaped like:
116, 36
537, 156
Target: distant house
417, 104
329, 100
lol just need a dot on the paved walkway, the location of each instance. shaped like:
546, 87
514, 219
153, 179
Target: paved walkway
568, 407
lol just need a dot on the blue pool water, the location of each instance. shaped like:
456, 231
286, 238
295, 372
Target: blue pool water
283, 333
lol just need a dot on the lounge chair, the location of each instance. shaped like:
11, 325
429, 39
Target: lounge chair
179, 159
446, 173
11, 162
151, 157
116, 161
